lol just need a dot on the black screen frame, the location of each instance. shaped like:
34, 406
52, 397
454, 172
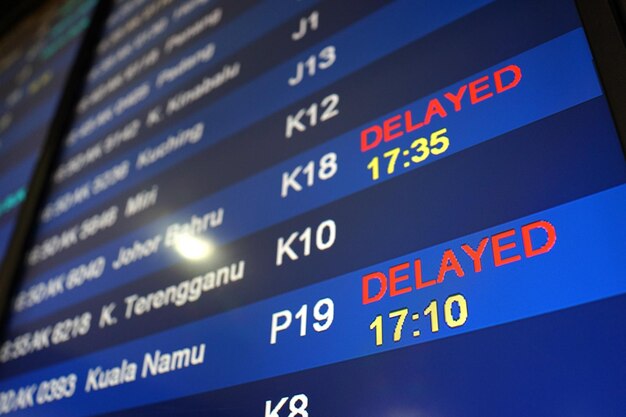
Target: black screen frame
604, 30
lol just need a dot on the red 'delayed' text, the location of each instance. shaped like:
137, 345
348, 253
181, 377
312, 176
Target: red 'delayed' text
472, 93
500, 248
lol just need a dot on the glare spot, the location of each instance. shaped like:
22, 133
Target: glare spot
192, 247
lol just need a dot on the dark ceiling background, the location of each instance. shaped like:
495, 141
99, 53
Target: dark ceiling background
11, 11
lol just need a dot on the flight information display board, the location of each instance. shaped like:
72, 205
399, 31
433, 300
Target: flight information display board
330, 208
37, 56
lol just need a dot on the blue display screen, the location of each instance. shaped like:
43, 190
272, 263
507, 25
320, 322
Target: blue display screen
330, 208
37, 56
